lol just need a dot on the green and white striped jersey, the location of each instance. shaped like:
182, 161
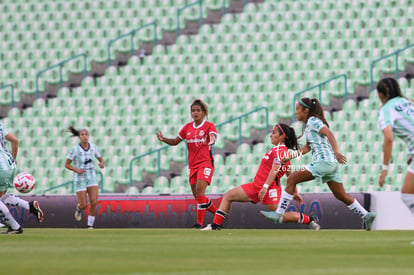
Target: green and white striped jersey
398, 113
319, 144
84, 159
6, 159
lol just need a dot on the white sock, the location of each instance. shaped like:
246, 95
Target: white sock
284, 202
12, 200
91, 220
7, 217
408, 199
358, 209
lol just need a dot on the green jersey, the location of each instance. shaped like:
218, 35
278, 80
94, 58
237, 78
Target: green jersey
83, 159
398, 113
319, 144
6, 159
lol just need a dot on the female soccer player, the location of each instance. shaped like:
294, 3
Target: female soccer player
266, 184
324, 165
84, 175
7, 174
396, 116
200, 136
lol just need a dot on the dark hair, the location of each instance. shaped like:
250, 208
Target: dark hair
75, 132
291, 140
315, 109
202, 104
389, 87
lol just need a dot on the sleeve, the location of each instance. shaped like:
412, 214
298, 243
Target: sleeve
278, 153
384, 118
97, 152
5, 130
315, 123
72, 153
212, 129
181, 134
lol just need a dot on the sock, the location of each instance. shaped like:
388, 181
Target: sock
219, 217
304, 219
358, 209
7, 217
211, 207
408, 200
91, 220
12, 200
284, 202
202, 203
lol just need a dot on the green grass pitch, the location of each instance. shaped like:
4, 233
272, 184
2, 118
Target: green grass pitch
188, 251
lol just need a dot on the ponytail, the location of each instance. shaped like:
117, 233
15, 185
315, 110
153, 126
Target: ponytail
315, 109
291, 140
75, 132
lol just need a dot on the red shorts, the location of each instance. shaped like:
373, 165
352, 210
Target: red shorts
204, 172
272, 196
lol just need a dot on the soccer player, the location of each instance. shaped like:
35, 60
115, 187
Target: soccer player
266, 184
84, 174
200, 136
7, 174
396, 116
325, 158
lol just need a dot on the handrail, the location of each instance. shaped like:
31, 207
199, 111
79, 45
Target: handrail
218, 125
73, 184
320, 91
12, 92
179, 10
60, 65
131, 33
396, 53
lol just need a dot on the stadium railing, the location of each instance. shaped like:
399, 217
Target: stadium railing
320, 91
396, 54
60, 65
180, 10
132, 33
158, 151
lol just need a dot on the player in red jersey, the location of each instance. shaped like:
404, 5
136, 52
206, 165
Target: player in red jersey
266, 184
200, 136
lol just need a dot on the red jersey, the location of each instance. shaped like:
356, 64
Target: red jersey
198, 138
273, 156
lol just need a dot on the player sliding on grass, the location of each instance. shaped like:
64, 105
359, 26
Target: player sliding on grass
200, 136
325, 164
397, 116
266, 184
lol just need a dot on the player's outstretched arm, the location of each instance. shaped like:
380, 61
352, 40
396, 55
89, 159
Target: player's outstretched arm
168, 141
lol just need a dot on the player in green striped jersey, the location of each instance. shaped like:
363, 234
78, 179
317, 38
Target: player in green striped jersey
396, 116
84, 175
325, 162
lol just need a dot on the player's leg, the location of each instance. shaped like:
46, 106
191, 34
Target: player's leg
352, 203
235, 194
82, 204
203, 202
33, 206
407, 190
93, 201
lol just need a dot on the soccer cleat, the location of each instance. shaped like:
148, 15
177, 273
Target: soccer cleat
78, 214
369, 220
211, 226
197, 226
35, 210
90, 227
11, 231
273, 215
314, 223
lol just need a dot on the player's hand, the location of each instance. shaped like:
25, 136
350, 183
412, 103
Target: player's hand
262, 193
213, 139
160, 136
381, 180
341, 158
101, 165
409, 160
298, 198
285, 160
81, 171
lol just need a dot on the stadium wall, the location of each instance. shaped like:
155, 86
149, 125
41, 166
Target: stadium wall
120, 211
392, 213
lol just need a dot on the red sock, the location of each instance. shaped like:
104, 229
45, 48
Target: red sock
304, 219
201, 208
211, 207
219, 217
